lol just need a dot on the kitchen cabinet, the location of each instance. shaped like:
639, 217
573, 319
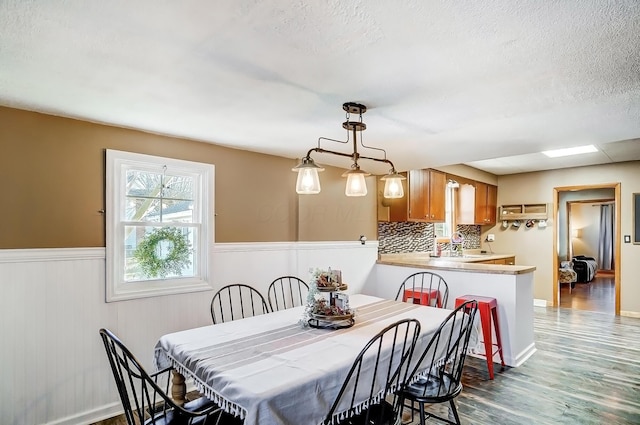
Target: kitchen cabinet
424, 199
477, 203
486, 203
509, 261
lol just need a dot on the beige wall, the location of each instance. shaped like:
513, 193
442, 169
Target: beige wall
585, 219
470, 173
331, 215
52, 171
573, 197
535, 246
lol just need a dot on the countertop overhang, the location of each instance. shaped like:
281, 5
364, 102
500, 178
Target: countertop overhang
463, 264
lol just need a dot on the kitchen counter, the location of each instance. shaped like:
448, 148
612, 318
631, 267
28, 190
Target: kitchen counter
510, 285
469, 262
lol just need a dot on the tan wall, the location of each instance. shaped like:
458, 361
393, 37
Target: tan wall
52, 171
470, 173
586, 219
331, 215
535, 246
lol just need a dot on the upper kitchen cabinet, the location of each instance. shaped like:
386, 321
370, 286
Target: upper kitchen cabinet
426, 195
477, 203
486, 203
424, 198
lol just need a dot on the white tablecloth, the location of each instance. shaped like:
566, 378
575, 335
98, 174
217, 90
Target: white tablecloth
270, 370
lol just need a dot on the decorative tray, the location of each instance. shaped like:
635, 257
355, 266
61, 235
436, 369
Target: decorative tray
332, 318
334, 288
321, 321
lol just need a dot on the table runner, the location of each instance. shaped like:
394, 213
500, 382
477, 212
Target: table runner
269, 369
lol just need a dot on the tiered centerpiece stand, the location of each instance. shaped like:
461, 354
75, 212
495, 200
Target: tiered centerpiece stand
331, 321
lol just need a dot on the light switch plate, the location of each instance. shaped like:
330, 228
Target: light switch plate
491, 237
627, 238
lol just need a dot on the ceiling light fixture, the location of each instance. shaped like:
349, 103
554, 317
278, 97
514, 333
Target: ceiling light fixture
570, 151
308, 181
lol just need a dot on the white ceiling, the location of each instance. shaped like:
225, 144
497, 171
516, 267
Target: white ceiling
487, 83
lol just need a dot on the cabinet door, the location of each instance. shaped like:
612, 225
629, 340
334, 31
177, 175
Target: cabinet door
437, 196
486, 203
492, 204
481, 203
418, 192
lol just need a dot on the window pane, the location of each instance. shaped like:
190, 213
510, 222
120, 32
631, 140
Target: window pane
142, 209
159, 210
159, 252
178, 187
177, 211
143, 184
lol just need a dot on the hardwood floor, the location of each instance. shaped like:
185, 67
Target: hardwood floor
586, 370
597, 295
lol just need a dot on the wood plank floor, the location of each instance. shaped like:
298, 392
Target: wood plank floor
586, 370
597, 295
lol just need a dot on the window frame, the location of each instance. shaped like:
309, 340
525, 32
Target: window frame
117, 164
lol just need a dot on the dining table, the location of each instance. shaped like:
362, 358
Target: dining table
275, 369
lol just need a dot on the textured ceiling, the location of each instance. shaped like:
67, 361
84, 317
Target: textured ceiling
444, 82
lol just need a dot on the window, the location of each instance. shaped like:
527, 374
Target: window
159, 225
444, 230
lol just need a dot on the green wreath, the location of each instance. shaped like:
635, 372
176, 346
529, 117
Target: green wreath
178, 257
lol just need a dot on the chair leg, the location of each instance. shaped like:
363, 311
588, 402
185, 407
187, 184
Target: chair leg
485, 319
422, 414
496, 323
454, 411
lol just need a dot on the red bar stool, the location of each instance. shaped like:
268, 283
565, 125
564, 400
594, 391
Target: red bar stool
423, 297
487, 307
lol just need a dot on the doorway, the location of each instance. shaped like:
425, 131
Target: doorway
567, 234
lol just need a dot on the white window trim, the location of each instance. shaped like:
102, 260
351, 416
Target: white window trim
116, 288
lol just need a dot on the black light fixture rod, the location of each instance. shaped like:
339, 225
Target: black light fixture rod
322, 150
355, 146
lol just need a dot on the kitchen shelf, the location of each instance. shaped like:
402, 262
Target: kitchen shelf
524, 212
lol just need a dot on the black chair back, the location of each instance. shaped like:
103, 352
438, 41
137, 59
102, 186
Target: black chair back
377, 372
145, 397
237, 301
437, 371
425, 286
287, 292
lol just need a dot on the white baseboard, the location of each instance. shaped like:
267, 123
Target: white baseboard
91, 416
539, 303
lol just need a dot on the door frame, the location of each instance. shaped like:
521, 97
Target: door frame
616, 242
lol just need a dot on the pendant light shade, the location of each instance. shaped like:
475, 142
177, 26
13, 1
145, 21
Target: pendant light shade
356, 183
308, 182
393, 185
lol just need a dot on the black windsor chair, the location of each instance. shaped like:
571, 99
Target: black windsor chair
145, 396
287, 292
237, 301
445, 355
426, 288
380, 381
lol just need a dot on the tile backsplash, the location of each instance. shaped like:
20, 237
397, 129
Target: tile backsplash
404, 236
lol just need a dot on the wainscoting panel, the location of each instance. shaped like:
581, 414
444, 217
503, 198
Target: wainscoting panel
53, 366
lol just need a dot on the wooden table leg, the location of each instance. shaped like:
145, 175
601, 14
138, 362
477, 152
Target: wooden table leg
178, 388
